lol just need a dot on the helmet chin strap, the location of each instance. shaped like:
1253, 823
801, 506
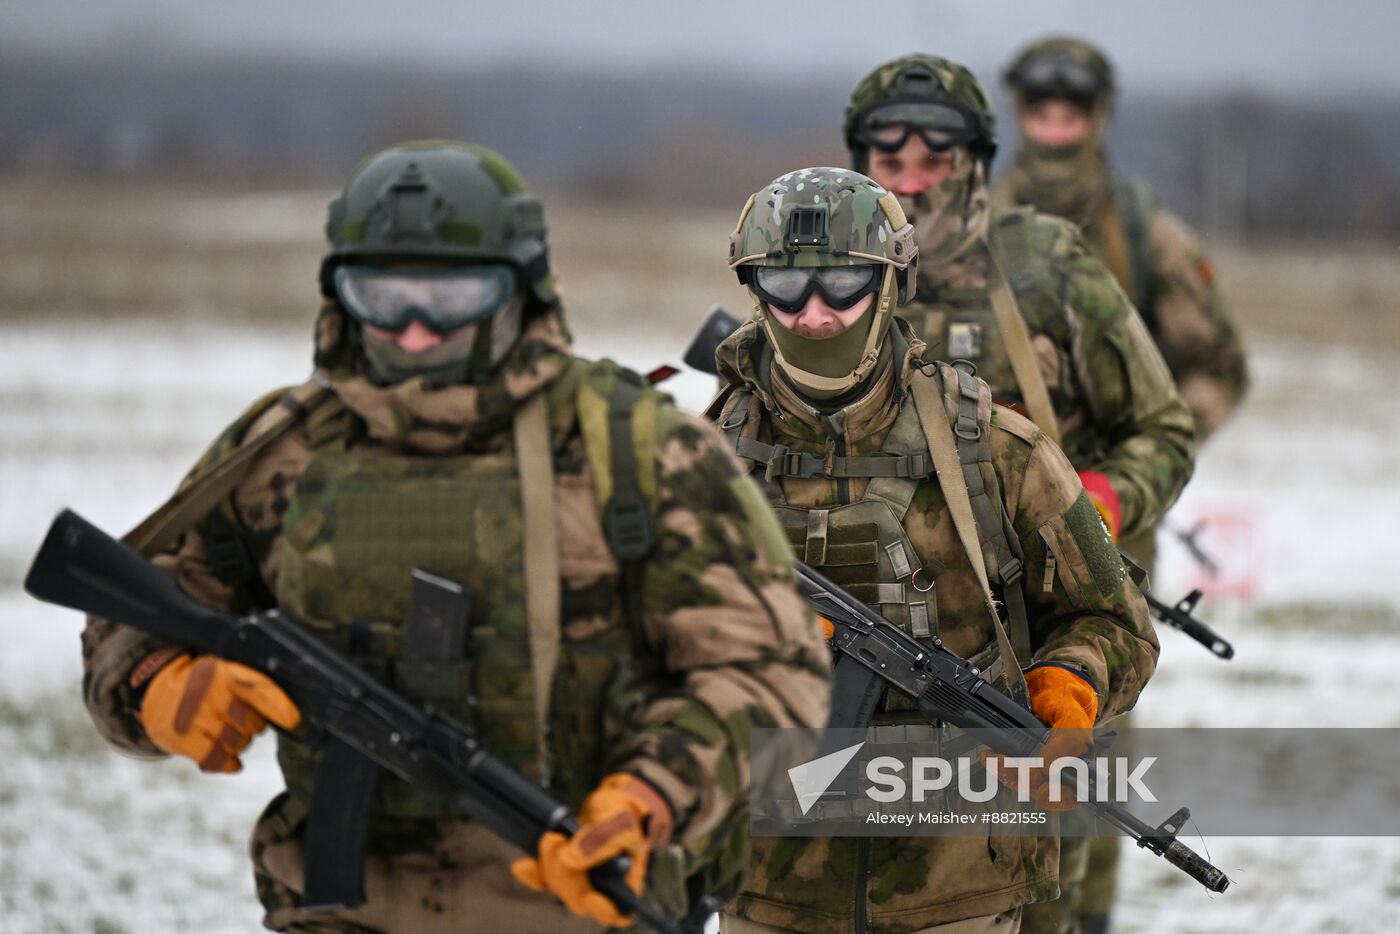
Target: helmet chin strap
827, 387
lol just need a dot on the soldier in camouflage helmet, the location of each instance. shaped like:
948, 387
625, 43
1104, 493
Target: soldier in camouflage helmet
634, 613
825, 395
1064, 90
1019, 294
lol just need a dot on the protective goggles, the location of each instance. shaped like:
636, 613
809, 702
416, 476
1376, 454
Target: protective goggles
1058, 76
442, 300
789, 288
941, 126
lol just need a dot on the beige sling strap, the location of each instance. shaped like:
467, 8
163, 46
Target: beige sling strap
542, 598
1018, 347
928, 400
192, 502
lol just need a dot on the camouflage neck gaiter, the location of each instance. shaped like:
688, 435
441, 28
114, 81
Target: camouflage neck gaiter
1069, 181
950, 219
415, 416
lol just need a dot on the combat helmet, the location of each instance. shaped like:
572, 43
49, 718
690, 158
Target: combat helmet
835, 230
943, 100
439, 201
1061, 68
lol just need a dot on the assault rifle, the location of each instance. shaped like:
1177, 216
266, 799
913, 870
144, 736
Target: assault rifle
366, 727
719, 324
872, 654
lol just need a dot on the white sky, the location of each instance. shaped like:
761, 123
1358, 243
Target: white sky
1290, 46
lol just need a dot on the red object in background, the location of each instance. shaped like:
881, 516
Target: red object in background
1225, 539
661, 374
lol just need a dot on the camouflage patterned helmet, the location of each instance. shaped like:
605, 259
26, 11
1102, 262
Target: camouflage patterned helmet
442, 201
941, 97
826, 217
1061, 68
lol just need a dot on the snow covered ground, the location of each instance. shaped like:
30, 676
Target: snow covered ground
104, 417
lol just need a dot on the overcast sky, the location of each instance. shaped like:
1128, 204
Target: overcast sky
1309, 49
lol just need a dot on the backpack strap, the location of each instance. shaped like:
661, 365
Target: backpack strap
1135, 206
535, 461
270, 419
928, 399
1013, 237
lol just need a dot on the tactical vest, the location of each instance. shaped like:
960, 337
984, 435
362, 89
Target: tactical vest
864, 546
960, 324
361, 518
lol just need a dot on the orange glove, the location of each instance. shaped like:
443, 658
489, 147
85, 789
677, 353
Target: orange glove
1065, 701
624, 815
209, 710
1106, 501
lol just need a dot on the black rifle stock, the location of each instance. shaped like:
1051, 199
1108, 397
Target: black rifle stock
872, 652
369, 726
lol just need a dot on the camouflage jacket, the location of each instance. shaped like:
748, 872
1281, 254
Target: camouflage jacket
1118, 410
1084, 611
726, 642
1159, 262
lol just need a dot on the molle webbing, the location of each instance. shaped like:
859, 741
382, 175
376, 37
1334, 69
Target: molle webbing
974, 450
778, 460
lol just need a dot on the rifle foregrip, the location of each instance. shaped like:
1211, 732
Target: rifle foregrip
1190, 862
81, 567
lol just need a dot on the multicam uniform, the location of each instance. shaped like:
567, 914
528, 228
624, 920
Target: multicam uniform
658, 668
851, 480
1106, 390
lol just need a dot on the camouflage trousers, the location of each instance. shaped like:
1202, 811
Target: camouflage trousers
459, 882
1008, 922
1060, 915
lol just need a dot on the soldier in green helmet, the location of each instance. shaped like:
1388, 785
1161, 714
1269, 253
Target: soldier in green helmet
633, 611
1065, 91
827, 397
1020, 295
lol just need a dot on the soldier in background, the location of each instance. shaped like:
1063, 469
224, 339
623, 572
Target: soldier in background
826, 396
1064, 91
449, 426
1018, 294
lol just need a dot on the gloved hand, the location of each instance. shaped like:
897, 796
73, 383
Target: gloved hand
1065, 701
1104, 499
209, 709
624, 815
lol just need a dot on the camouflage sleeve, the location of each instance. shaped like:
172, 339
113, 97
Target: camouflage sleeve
1194, 328
738, 645
112, 652
1085, 611
1147, 435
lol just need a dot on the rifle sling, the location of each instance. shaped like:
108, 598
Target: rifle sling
1017, 340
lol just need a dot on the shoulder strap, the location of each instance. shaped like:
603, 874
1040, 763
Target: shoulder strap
1012, 325
928, 399
1110, 223
1135, 210
535, 460
196, 498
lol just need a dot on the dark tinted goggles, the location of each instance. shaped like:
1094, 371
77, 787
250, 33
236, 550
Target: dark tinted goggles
789, 288
443, 300
941, 126
1059, 76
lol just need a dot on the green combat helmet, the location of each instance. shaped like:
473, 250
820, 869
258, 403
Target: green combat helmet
941, 99
843, 227
446, 233
1061, 68
442, 201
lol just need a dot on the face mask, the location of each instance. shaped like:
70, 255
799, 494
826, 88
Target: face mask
949, 218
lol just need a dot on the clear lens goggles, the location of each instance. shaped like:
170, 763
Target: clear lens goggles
789, 289
941, 126
1059, 76
442, 300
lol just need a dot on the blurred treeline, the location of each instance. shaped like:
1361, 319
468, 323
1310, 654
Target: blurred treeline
1238, 164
